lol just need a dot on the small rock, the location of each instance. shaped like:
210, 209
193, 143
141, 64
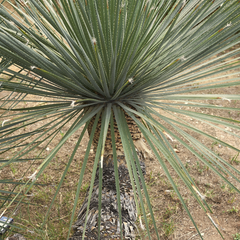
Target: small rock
168, 191
16, 236
219, 145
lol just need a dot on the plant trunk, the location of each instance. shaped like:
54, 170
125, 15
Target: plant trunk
110, 224
134, 130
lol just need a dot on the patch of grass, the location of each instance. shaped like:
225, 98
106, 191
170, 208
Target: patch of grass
168, 227
13, 168
214, 144
210, 193
201, 168
223, 186
234, 159
231, 200
151, 179
236, 236
231, 189
169, 211
84, 188
30, 218
62, 134
233, 210
187, 166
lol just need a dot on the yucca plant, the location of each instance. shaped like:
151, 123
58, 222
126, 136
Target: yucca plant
109, 66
